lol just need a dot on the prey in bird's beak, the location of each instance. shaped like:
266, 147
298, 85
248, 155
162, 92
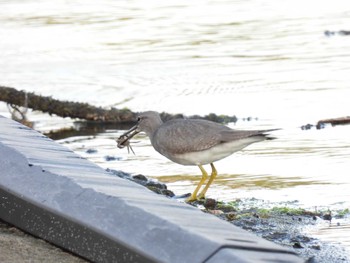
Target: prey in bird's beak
123, 139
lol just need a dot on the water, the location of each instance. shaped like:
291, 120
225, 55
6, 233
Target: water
260, 59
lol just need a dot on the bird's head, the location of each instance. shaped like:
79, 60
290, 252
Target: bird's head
147, 122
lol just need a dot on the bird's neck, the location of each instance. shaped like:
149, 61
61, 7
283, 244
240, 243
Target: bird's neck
153, 130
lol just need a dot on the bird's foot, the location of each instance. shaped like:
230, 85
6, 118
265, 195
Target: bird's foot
192, 198
201, 196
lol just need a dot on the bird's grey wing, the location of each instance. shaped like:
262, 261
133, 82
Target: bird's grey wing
181, 136
231, 135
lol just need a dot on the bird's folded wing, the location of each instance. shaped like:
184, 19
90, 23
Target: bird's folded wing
232, 135
181, 136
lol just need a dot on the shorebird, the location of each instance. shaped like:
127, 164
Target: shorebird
192, 142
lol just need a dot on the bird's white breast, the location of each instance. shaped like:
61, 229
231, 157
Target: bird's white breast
212, 154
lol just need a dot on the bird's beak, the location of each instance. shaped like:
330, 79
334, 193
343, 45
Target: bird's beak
126, 136
132, 132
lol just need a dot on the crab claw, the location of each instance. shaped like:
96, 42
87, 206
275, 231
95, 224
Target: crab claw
123, 139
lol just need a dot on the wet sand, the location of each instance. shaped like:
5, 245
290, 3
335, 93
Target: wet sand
17, 246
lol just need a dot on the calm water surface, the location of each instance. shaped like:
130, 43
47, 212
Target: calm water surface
265, 59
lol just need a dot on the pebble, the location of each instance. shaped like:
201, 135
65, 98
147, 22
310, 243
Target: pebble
91, 151
209, 203
297, 245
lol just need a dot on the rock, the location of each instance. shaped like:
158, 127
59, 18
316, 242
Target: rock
151, 183
316, 246
307, 126
119, 173
297, 245
311, 260
157, 190
140, 177
230, 216
109, 158
327, 216
90, 151
210, 203
167, 192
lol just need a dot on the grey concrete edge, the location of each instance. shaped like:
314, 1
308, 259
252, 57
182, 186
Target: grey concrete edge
43, 206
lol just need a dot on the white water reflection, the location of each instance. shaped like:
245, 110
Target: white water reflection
263, 59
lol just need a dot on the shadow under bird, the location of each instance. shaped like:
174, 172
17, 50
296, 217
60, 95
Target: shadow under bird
192, 142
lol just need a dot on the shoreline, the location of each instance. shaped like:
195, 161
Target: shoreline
281, 225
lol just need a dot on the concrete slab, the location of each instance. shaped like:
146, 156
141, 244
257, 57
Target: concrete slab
51, 192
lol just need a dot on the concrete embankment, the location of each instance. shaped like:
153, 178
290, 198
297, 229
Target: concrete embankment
52, 193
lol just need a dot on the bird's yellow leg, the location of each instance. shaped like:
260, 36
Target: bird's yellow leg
193, 196
214, 173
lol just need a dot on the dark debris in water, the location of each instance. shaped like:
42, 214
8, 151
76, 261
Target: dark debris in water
109, 158
91, 151
309, 126
329, 33
321, 124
